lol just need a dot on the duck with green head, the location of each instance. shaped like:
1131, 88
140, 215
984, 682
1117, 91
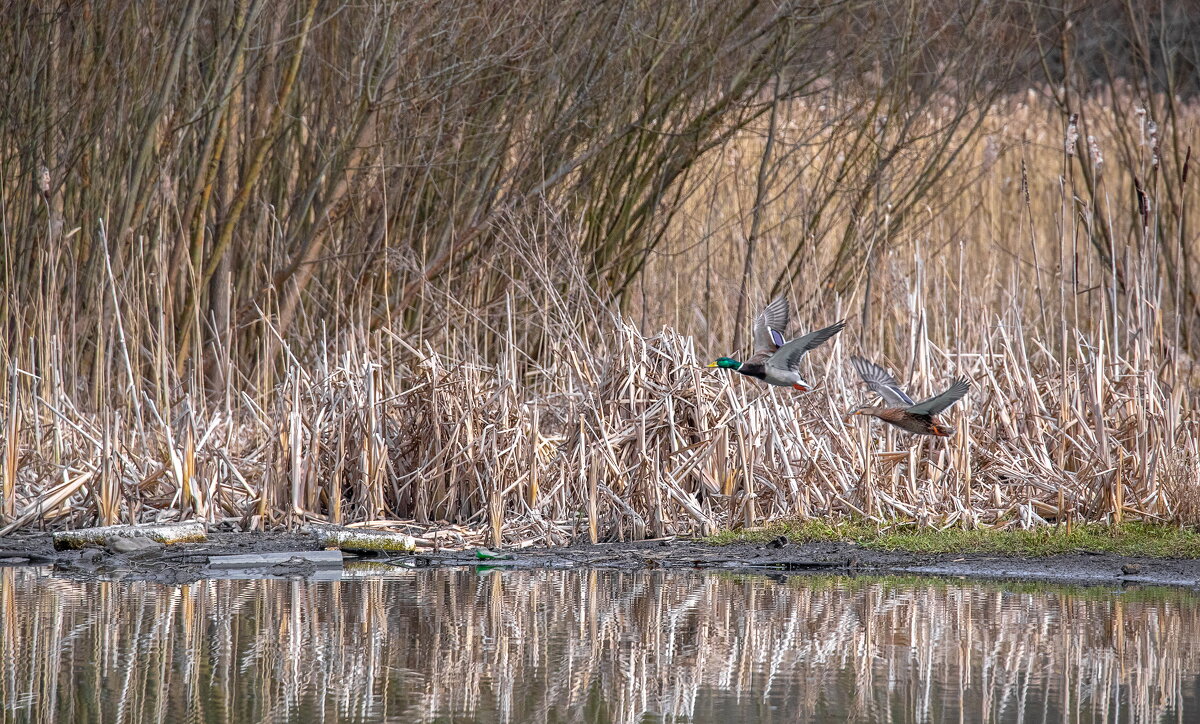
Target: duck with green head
915, 417
774, 361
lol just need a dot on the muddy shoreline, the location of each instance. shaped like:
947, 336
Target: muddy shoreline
187, 562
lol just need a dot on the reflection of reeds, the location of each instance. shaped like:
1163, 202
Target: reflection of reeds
531, 646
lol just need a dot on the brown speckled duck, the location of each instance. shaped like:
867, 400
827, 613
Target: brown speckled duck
901, 411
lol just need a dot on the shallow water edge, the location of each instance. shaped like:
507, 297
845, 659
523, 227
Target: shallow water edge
627, 646
185, 562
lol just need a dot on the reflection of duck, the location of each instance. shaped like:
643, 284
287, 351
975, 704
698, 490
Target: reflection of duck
774, 361
916, 417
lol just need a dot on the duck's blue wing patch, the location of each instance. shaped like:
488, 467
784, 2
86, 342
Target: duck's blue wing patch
777, 337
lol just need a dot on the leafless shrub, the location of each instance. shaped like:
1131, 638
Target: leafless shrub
456, 265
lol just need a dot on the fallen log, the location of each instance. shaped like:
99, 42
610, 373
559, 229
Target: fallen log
191, 531
360, 540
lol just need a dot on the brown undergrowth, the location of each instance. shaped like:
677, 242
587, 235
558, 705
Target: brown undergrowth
364, 315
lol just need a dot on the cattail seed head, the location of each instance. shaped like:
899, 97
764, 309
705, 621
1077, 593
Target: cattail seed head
1152, 133
991, 152
1094, 150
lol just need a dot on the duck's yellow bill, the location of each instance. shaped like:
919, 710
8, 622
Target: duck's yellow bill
711, 364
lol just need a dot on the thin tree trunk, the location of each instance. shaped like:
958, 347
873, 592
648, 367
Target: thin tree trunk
760, 193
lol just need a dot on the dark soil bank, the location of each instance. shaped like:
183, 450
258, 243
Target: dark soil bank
184, 562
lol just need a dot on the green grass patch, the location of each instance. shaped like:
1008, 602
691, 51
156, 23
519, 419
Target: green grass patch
1129, 539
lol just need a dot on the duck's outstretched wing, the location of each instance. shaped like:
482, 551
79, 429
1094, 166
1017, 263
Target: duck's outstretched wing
788, 356
770, 324
881, 382
936, 404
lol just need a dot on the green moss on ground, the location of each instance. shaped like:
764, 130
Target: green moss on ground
1129, 539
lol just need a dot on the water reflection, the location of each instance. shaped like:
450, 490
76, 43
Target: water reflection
597, 646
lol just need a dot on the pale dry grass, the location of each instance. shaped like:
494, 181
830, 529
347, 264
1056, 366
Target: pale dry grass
574, 421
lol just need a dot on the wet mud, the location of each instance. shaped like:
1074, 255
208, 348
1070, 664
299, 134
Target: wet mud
186, 562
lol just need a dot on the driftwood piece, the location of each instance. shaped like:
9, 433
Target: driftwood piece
315, 559
357, 539
167, 533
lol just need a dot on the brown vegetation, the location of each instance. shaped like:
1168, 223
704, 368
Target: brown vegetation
267, 261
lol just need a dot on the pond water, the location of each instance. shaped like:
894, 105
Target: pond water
594, 646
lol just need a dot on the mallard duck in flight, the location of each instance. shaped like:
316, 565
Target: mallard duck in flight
774, 361
901, 411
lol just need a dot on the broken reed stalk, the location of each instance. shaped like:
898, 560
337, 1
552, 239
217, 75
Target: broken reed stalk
8, 478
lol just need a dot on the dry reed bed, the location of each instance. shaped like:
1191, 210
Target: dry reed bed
1014, 212
635, 440
514, 408
539, 645
302, 260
